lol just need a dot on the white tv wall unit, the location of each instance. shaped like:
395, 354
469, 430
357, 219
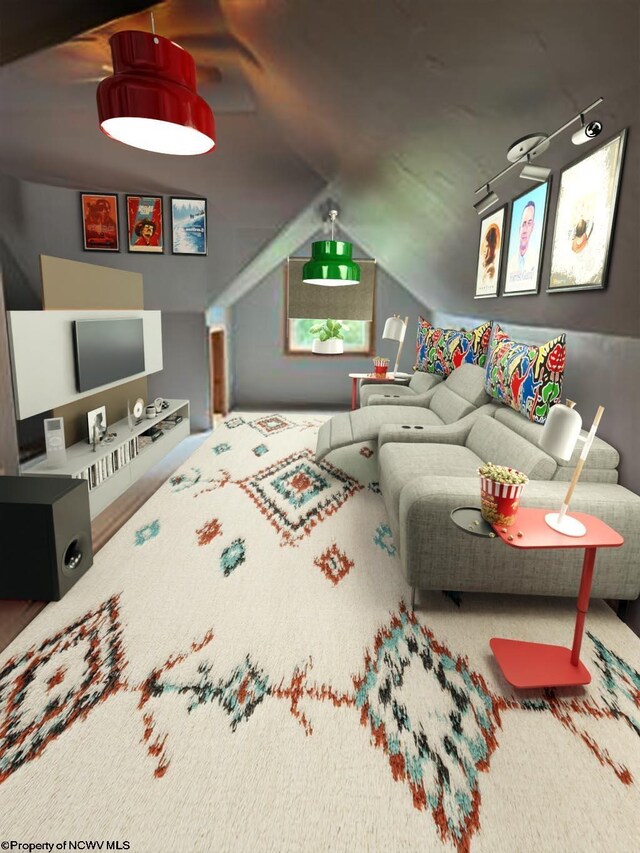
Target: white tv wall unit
43, 361
81, 456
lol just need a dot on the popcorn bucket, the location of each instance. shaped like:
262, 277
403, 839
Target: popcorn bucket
380, 366
499, 502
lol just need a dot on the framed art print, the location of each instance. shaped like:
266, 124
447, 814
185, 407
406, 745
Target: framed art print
97, 424
526, 241
189, 226
585, 219
99, 222
490, 254
144, 224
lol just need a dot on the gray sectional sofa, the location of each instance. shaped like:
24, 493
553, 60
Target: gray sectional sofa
460, 396
428, 460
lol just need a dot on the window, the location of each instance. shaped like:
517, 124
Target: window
357, 336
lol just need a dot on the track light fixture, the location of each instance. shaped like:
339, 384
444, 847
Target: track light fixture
486, 202
539, 174
531, 146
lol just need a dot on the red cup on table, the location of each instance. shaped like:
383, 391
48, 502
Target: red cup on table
380, 366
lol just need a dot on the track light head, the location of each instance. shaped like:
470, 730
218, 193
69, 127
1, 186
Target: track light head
486, 202
587, 132
539, 174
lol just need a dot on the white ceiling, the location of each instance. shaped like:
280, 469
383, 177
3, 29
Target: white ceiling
405, 105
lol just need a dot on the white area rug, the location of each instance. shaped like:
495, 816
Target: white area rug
240, 671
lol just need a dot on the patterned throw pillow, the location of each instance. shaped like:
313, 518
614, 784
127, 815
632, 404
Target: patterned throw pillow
442, 350
524, 377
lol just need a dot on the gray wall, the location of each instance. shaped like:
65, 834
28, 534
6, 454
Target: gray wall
40, 219
186, 369
265, 376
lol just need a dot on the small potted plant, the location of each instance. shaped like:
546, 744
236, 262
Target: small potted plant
500, 490
329, 339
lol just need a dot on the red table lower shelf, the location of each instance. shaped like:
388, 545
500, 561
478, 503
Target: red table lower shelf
529, 665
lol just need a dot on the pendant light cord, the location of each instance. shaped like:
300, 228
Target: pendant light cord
333, 215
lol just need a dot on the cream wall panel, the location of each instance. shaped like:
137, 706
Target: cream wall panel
43, 360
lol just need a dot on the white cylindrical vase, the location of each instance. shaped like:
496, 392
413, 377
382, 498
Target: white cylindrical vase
334, 346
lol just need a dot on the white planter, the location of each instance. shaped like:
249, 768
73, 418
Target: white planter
333, 346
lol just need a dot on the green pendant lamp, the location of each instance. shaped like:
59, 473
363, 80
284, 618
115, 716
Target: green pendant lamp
331, 263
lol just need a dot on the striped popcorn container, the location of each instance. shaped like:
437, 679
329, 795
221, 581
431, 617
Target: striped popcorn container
499, 502
380, 366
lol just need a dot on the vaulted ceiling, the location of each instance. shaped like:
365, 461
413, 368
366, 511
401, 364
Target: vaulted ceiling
404, 107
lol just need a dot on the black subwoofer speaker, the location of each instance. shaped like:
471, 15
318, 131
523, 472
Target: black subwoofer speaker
45, 536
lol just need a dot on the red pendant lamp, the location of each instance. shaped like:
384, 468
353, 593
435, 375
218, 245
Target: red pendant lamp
151, 100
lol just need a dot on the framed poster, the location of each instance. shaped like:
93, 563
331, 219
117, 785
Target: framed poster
585, 218
99, 222
144, 224
189, 226
490, 254
526, 240
97, 424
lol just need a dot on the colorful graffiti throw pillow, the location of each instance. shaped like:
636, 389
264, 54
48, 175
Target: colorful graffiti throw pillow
442, 350
524, 377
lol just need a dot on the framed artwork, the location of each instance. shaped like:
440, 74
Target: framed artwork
189, 226
97, 424
526, 241
99, 222
492, 229
144, 224
585, 219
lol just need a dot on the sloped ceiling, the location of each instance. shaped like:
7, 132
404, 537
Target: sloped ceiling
404, 106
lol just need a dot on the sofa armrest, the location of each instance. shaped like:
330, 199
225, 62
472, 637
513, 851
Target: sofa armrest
408, 400
445, 434
437, 555
455, 433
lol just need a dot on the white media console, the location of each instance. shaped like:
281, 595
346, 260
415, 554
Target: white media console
117, 466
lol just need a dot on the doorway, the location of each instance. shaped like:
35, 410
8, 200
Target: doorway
218, 372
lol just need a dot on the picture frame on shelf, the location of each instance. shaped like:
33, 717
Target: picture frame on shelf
585, 218
97, 424
490, 254
99, 212
188, 226
527, 229
145, 227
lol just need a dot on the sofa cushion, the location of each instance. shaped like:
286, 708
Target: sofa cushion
441, 351
448, 405
400, 463
526, 378
468, 382
421, 382
495, 442
601, 455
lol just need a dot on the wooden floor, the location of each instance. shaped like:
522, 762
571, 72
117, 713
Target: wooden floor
16, 615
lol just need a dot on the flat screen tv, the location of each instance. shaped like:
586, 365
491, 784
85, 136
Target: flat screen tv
107, 350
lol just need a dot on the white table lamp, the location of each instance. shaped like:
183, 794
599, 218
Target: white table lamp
559, 437
394, 330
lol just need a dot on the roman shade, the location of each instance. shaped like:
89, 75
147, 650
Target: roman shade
351, 302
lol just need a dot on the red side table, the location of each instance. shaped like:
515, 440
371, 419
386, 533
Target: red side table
538, 664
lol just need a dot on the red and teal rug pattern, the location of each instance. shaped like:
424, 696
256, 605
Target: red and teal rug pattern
241, 670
